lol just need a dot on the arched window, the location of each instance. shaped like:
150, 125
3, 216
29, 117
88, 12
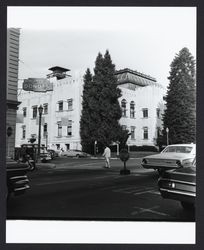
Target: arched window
132, 109
123, 106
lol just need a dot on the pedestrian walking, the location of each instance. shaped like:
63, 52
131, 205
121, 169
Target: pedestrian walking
107, 155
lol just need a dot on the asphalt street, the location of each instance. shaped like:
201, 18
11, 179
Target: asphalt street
82, 189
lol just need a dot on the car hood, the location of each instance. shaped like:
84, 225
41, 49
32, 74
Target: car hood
15, 165
170, 156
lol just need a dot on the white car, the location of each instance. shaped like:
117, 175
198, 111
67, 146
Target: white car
44, 155
172, 157
74, 153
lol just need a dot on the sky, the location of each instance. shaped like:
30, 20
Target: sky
145, 39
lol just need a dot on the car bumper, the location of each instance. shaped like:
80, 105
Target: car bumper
18, 184
184, 196
151, 166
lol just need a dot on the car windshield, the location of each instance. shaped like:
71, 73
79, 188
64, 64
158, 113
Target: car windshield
178, 149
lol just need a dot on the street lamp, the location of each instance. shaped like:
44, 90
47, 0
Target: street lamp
167, 136
40, 110
95, 143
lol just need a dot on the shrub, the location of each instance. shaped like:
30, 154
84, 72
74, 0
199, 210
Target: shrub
147, 148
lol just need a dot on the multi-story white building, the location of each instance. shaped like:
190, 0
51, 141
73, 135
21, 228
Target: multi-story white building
142, 106
61, 113
141, 103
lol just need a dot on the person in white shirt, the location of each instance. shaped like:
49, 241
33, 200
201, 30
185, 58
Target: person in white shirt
107, 155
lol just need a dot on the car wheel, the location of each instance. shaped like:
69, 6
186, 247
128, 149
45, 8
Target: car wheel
187, 205
77, 156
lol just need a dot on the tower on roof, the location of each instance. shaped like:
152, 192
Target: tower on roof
58, 72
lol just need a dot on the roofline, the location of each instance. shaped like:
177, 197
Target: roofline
58, 67
135, 73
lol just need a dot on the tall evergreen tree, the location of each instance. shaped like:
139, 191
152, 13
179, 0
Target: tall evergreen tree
180, 114
85, 125
101, 111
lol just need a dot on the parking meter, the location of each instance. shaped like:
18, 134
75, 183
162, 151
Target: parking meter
124, 156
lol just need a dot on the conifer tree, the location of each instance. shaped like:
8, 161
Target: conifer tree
101, 111
180, 114
85, 125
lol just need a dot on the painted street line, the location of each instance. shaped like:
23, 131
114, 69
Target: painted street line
150, 210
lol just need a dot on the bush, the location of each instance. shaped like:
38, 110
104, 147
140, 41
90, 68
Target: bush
143, 148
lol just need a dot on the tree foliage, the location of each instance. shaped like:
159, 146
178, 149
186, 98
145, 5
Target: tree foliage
101, 111
180, 113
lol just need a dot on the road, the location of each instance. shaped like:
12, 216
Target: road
81, 189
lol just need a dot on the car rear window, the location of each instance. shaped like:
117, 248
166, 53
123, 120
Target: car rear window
178, 149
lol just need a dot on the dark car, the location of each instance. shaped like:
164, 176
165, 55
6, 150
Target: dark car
179, 184
17, 180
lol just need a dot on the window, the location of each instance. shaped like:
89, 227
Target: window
124, 127
158, 113
69, 128
145, 133
23, 132
35, 112
45, 108
70, 104
59, 129
145, 113
132, 132
60, 105
123, 106
45, 130
24, 112
132, 110
58, 146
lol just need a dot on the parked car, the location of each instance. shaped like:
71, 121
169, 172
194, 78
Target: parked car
180, 184
45, 155
53, 153
17, 180
30, 151
74, 153
172, 157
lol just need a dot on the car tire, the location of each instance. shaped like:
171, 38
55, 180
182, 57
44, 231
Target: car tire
187, 205
77, 156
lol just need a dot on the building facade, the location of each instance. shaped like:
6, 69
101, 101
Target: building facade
13, 35
60, 117
141, 104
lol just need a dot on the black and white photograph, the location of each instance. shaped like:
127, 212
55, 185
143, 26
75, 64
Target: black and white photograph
101, 124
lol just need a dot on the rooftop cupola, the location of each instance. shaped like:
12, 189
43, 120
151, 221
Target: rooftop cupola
58, 72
